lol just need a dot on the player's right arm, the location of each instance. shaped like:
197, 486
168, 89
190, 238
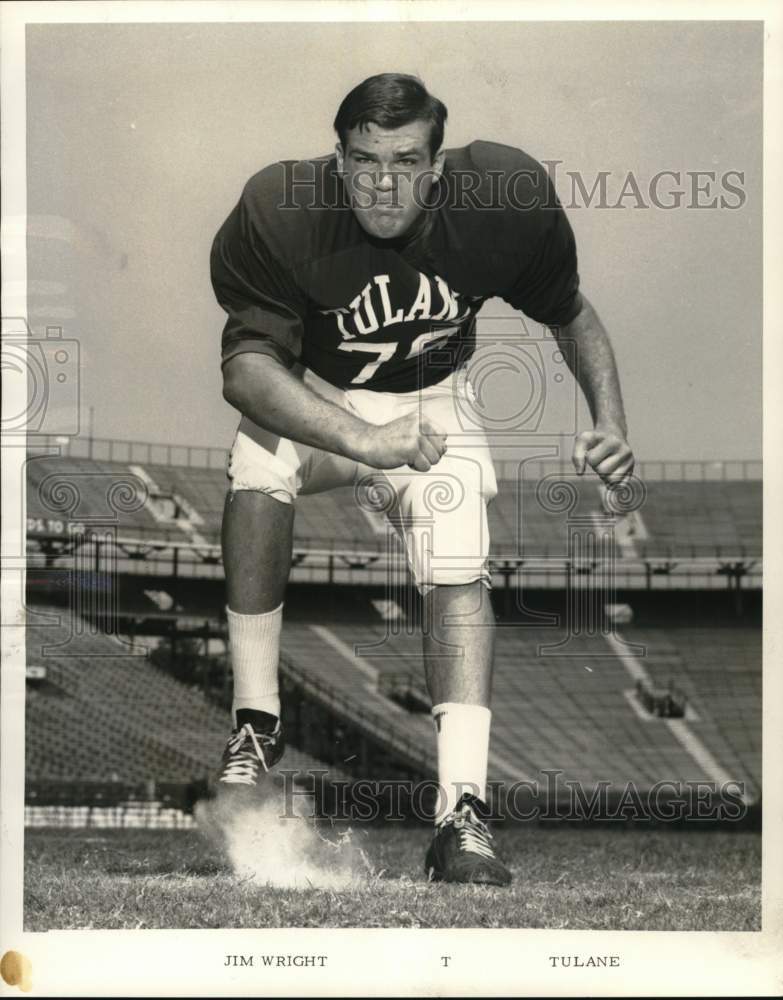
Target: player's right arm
266, 392
253, 277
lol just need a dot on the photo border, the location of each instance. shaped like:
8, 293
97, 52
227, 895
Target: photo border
363, 961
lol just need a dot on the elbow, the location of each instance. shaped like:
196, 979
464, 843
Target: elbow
232, 387
229, 390
246, 378
579, 312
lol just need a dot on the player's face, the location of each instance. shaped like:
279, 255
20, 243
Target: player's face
388, 174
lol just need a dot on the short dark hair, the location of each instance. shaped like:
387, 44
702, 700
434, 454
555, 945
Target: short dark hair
391, 100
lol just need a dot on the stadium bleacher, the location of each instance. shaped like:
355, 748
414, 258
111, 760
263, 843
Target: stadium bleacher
568, 707
719, 670
574, 707
205, 489
701, 518
696, 518
79, 490
104, 714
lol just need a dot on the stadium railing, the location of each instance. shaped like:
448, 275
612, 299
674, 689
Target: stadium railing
395, 740
110, 804
118, 450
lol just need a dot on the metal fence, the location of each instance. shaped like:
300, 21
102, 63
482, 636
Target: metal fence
61, 803
147, 452
125, 815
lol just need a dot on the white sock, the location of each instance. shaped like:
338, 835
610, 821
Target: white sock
255, 654
463, 749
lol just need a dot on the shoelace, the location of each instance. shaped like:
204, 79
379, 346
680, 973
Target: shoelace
242, 768
473, 836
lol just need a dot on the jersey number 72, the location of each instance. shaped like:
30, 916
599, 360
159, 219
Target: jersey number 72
385, 352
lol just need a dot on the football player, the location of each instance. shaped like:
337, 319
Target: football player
352, 284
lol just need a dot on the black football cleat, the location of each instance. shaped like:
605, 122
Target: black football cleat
462, 851
250, 753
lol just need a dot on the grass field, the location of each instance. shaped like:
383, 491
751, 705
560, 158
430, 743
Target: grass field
588, 878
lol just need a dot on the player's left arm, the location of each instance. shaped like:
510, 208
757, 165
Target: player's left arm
605, 448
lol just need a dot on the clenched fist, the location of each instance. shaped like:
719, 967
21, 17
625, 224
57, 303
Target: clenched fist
606, 452
411, 440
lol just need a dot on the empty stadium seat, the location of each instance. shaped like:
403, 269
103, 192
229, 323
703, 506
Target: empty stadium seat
686, 518
106, 715
568, 707
703, 518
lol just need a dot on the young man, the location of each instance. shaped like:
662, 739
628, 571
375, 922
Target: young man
352, 285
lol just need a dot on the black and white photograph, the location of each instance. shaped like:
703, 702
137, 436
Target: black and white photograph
385, 397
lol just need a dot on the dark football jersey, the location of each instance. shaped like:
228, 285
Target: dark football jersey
302, 281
